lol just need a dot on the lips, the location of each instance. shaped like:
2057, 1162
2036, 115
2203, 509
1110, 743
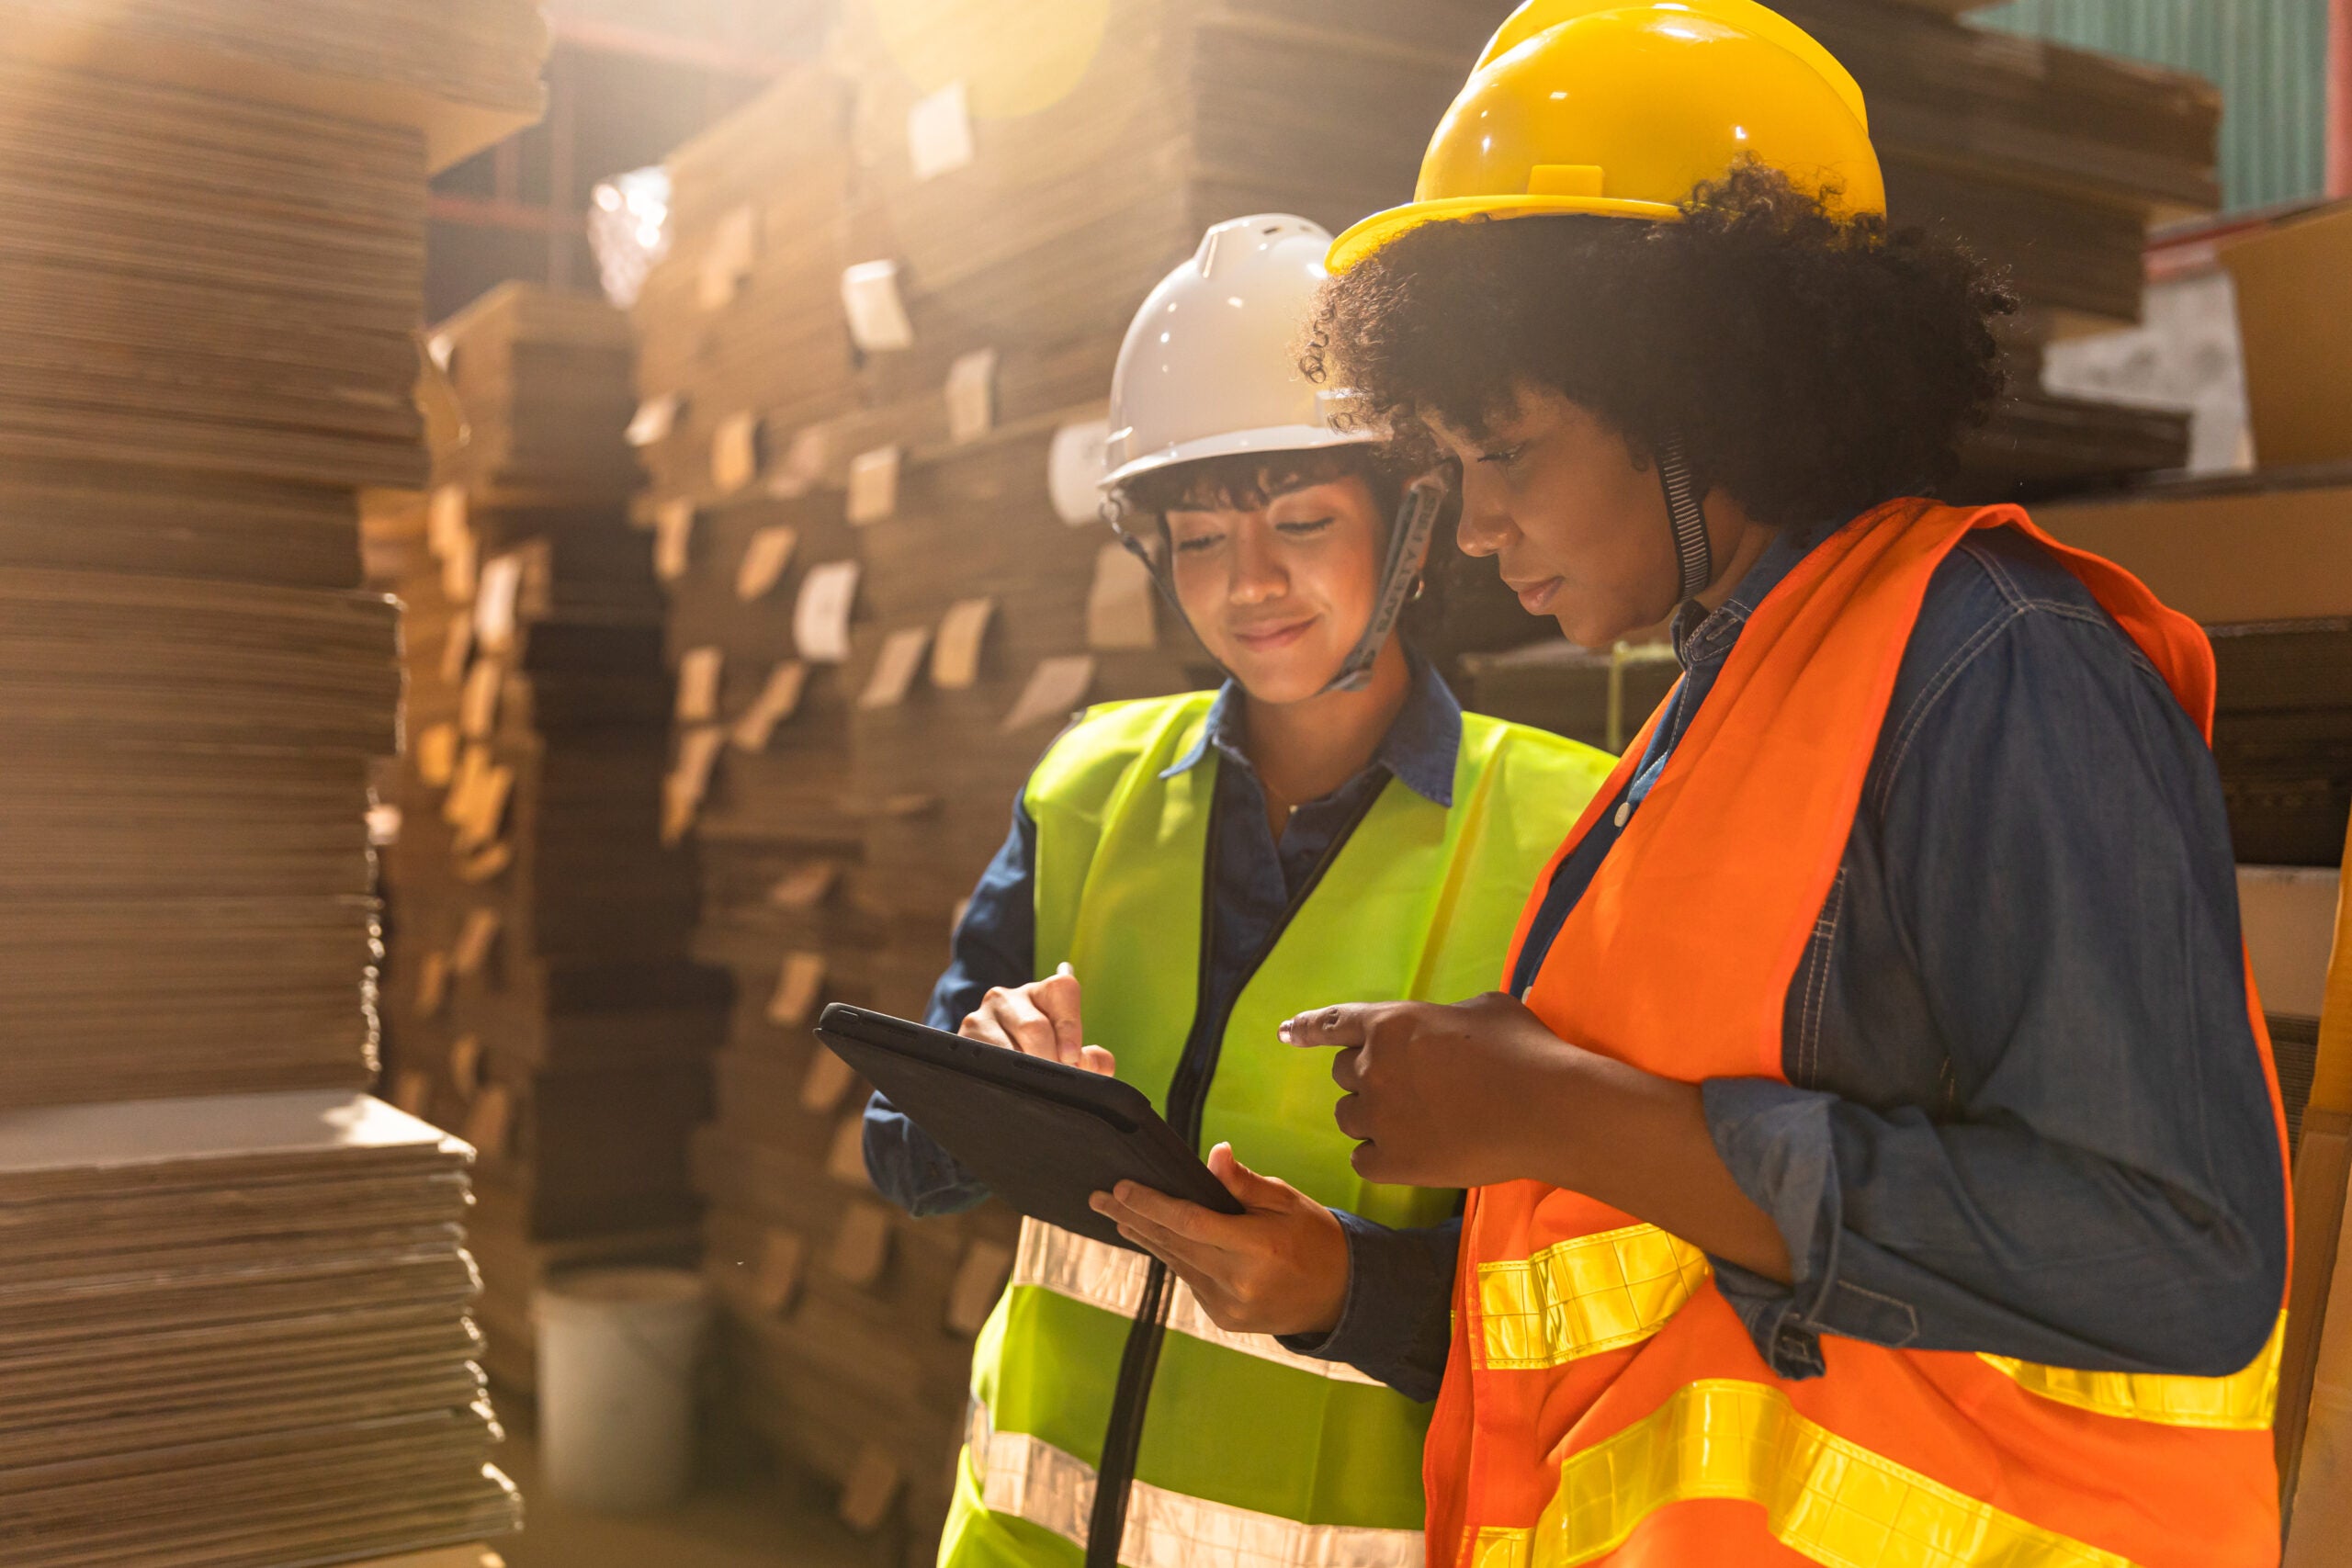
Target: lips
1534, 597
1265, 639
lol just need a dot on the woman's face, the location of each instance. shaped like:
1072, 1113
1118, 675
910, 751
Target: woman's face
1578, 529
1280, 595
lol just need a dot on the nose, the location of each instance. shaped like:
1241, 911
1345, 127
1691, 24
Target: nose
1258, 575
1486, 526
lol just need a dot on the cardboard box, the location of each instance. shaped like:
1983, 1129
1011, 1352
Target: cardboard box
2294, 288
2253, 547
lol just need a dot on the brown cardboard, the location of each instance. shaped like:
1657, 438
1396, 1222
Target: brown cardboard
2294, 289
2255, 551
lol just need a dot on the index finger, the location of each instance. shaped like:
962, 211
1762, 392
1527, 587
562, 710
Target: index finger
1343, 1024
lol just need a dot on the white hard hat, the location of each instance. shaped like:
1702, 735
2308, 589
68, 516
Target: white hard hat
1208, 368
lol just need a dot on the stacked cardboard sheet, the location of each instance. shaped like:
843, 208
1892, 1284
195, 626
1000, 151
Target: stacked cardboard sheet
539, 998
232, 1333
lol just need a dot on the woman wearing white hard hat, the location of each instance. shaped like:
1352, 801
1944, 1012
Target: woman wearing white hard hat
1185, 872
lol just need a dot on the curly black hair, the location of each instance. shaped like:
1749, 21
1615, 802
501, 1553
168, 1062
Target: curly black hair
1812, 363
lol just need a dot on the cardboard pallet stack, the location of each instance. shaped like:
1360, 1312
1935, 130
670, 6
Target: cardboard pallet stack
237, 1296
539, 997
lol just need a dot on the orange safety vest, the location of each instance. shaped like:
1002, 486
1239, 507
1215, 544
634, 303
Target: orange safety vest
1603, 1401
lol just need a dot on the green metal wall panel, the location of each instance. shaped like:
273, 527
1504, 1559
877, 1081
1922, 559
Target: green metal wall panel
2269, 58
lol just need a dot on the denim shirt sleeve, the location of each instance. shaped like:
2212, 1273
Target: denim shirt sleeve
995, 944
2097, 1184
1396, 1322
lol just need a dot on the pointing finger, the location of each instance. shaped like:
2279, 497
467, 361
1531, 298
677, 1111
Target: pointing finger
1343, 1024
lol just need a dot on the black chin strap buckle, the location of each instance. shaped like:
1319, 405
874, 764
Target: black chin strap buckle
1694, 557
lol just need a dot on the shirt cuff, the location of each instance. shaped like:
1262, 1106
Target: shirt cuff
1774, 1137
1395, 1322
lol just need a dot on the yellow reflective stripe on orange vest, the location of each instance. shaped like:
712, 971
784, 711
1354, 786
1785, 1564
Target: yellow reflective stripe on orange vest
2245, 1400
1824, 1497
1580, 1297
1051, 1259
1031, 1479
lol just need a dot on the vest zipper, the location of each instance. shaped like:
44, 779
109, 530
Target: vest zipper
1188, 1094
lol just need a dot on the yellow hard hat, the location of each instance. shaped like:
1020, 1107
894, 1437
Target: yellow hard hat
1601, 106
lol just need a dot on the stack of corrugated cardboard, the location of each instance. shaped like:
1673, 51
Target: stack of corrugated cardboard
212, 255
538, 996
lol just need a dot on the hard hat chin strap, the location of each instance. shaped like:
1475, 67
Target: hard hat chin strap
1694, 557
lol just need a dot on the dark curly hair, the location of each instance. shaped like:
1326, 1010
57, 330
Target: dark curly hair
1812, 364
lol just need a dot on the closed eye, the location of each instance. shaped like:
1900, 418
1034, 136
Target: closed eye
1305, 528
1504, 456
1195, 543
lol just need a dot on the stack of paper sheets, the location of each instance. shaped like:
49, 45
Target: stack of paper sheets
232, 1333
538, 999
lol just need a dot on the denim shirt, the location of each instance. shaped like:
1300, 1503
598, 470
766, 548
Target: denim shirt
1399, 1278
2024, 1111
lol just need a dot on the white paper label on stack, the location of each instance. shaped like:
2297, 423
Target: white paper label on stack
465, 1064
764, 558
735, 452
804, 888
485, 809
495, 602
726, 261
457, 647
457, 569
971, 395
688, 781
654, 418
775, 1277
475, 940
432, 983
478, 704
894, 673
955, 659
437, 754
445, 519
877, 317
674, 532
1057, 687
804, 463
1119, 604
777, 701
1074, 468
874, 485
820, 619
698, 669
939, 132
797, 986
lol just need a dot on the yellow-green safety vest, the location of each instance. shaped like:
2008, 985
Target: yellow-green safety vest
1249, 1454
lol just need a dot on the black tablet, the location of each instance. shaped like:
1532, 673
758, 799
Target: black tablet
1044, 1137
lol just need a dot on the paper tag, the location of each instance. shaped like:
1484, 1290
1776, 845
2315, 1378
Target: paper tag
488, 1123
939, 132
384, 821
726, 260
495, 602
764, 558
412, 1091
873, 1487
1119, 606
971, 395
798, 986
775, 703
698, 669
878, 318
820, 619
457, 647
1074, 469
826, 1081
735, 452
432, 983
845, 1160
445, 519
894, 673
688, 781
465, 1064
475, 938
486, 810
655, 418
437, 754
955, 659
804, 463
861, 1248
674, 532
1056, 688
776, 1274
804, 887
486, 866
478, 704
874, 485
980, 1280
457, 569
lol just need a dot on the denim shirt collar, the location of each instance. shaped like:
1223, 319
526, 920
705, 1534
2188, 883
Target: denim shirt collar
1703, 637
1422, 744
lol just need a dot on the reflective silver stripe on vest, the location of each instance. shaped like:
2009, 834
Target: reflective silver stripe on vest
1031, 1479
1111, 1277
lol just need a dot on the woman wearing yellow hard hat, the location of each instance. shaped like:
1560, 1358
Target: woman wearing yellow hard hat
1875, 1154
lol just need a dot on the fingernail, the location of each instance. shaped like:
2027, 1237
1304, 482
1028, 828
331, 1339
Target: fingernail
1282, 1035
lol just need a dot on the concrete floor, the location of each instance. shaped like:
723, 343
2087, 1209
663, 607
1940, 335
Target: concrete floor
738, 1522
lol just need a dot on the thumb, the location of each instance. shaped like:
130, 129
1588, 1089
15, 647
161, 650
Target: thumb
1249, 1188
1096, 1059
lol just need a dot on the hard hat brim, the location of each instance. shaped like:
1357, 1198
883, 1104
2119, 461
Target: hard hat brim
1226, 444
1361, 238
